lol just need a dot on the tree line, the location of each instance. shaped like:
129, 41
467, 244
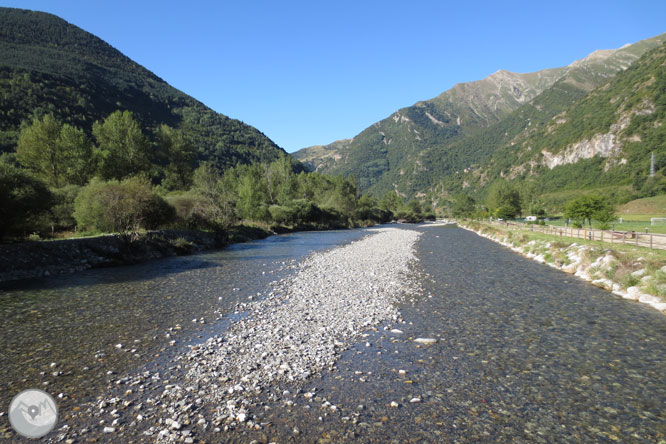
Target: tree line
121, 180
507, 200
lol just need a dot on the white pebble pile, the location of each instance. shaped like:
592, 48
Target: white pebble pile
300, 327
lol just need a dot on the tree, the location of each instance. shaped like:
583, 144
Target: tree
57, 153
219, 194
179, 156
123, 148
530, 190
368, 210
586, 208
24, 200
342, 197
38, 149
252, 203
604, 216
80, 161
463, 206
281, 184
62, 209
504, 200
391, 202
415, 207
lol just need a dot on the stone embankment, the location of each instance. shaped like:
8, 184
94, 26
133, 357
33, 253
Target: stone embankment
47, 258
635, 278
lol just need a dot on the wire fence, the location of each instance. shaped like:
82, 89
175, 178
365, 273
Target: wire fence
649, 240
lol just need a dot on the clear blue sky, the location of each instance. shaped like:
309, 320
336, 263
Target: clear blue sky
311, 72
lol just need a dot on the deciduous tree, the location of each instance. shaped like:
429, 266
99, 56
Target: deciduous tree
588, 207
179, 156
59, 154
123, 148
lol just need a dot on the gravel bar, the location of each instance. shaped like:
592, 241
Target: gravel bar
298, 329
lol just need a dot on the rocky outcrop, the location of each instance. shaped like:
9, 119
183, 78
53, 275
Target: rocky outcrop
605, 145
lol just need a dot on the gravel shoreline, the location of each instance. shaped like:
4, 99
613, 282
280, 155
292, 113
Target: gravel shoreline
297, 329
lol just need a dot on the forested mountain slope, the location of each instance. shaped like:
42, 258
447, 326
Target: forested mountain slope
50, 66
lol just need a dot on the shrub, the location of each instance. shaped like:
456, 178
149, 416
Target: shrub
182, 245
630, 281
24, 201
611, 270
123, 206
197, 212
283, 214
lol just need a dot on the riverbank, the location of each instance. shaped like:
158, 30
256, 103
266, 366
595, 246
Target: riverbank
629, 272
31, 259
49, 258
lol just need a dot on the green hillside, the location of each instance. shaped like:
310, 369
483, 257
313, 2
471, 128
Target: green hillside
604, 139
51, 66
446, 143
648, 206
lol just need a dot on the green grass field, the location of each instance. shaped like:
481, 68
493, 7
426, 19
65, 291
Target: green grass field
633, 216
633, 222
647, 207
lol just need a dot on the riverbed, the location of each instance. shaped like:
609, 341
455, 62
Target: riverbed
523, 353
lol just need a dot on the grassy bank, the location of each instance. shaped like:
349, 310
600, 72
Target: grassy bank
635, 273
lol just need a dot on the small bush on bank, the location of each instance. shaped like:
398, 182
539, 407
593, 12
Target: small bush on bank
630, 281
125, 206
182, 245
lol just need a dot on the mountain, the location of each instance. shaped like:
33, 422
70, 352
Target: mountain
416, 147
49, 65
605, 139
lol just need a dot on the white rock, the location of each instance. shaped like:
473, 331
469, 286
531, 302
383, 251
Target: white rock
633, 293
426, 341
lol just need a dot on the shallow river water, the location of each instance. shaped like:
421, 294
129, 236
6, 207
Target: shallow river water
525, 353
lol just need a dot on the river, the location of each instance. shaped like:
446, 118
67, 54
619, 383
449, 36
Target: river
525, 353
